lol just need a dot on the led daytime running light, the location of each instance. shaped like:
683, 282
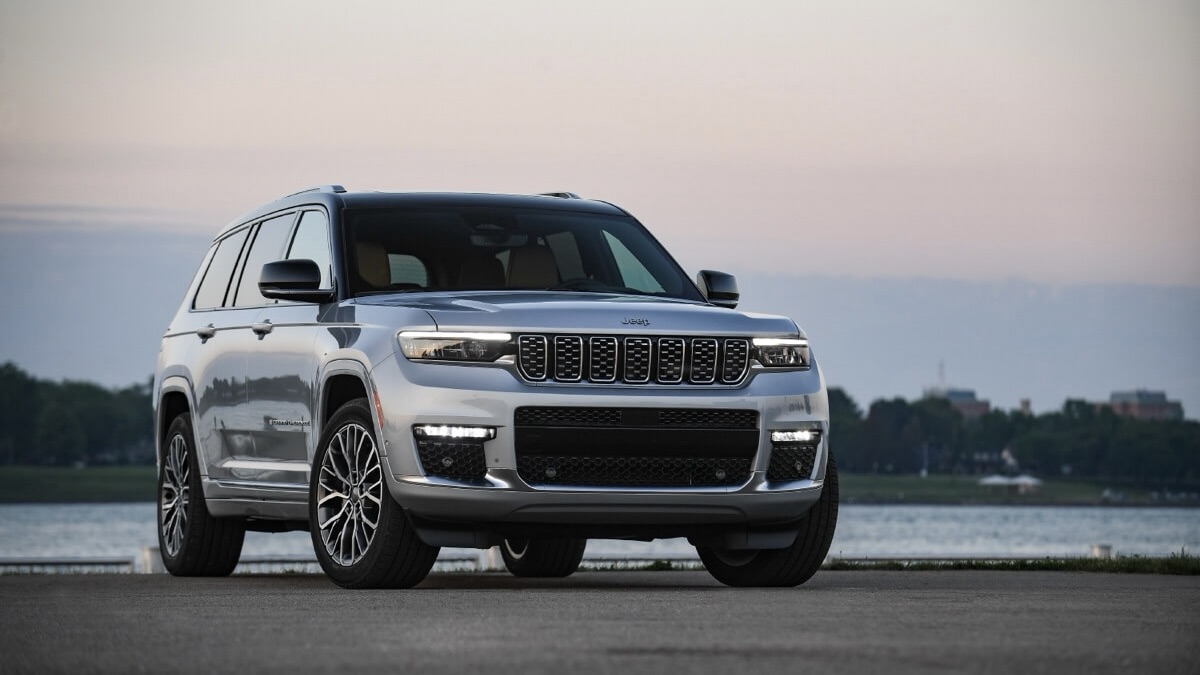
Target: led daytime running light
795, 436
435, 335
445, 431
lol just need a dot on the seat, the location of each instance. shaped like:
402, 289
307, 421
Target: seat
532, 267
373, 265
483, 272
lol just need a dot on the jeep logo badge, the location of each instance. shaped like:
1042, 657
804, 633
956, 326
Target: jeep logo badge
635, 322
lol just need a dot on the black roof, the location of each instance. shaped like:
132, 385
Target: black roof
333, 200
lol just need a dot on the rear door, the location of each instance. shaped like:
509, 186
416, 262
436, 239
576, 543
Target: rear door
232, 437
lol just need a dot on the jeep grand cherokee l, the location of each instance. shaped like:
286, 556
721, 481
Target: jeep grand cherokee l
400, 372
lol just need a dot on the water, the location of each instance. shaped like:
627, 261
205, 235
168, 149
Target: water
121, 530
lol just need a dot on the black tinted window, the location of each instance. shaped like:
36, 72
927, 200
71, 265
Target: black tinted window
485, 249
216, 279
267, 247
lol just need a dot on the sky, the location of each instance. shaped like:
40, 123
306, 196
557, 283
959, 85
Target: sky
1050, 142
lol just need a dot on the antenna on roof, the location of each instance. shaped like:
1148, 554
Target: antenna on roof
560, 195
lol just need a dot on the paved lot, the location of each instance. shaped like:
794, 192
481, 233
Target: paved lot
604, 622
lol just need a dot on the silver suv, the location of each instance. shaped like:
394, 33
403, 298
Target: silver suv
399, 372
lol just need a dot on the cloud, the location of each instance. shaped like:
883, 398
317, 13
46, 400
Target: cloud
16, 218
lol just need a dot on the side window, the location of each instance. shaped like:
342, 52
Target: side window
312, 243
633, 273
216, 279
267, 247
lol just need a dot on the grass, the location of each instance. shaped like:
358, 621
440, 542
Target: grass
137, 484
37, 484
944, 489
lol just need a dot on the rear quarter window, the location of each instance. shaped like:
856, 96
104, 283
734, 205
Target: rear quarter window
215, 285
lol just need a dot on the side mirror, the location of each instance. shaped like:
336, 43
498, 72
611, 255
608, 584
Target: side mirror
298, 280
718, 288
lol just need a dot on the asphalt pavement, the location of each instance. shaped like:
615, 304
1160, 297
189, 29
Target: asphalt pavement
604, 622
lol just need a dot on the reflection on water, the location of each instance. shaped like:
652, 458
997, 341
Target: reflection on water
91, 530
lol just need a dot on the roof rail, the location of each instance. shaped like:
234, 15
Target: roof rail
319, 188
560, 195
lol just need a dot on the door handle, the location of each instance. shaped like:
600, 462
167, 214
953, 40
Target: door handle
206, 332
262, 328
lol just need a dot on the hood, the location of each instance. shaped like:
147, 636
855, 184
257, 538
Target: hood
556, 312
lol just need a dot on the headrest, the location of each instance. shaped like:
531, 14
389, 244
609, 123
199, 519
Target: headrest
373, 265
532, 267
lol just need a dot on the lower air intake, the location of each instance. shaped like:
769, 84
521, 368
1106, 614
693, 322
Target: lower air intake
549, 470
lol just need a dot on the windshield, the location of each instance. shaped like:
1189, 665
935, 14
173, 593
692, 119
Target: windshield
397, 250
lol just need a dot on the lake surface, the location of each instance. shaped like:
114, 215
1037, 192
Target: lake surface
112, 530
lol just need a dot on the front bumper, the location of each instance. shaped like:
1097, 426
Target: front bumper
757, 513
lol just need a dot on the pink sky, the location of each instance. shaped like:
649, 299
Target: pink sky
1054, 141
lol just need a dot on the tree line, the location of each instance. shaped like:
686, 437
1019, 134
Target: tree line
1080, 440
67, 423
44, 422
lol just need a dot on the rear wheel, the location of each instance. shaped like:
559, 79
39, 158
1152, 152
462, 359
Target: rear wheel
361, 536
192, 543
542, 557
789, 566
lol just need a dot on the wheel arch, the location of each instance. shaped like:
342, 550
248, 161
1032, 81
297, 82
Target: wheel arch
174, 399
343, 381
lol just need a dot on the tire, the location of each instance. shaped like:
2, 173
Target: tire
361, 536
192, 543
789, 566
542, 557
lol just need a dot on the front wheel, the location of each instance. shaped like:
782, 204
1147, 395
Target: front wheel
192, 542
542, 557
789, 566
361, 536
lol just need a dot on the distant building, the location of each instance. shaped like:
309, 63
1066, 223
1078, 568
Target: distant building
962, 400
1143, 404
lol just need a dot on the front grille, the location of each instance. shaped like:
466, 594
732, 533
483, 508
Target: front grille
453, 459
792, 461
603, 359
546, 470
635, 447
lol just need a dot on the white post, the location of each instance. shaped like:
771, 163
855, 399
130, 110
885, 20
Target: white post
151, 561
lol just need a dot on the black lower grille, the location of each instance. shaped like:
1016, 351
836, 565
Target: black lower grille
792, 461
456, 460
636, 447
548, 470
698, 418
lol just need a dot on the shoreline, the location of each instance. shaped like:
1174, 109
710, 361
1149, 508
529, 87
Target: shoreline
136, 484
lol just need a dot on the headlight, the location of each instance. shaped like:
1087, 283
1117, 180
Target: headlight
437, 346
782, 352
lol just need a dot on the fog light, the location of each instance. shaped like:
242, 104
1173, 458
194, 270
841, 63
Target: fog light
444, 431
795, 436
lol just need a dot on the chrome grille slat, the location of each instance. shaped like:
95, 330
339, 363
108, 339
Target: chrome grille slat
608, 359
736, 358
638, 353
568, 358
602, 359
532, 361
670, 360
704, 361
